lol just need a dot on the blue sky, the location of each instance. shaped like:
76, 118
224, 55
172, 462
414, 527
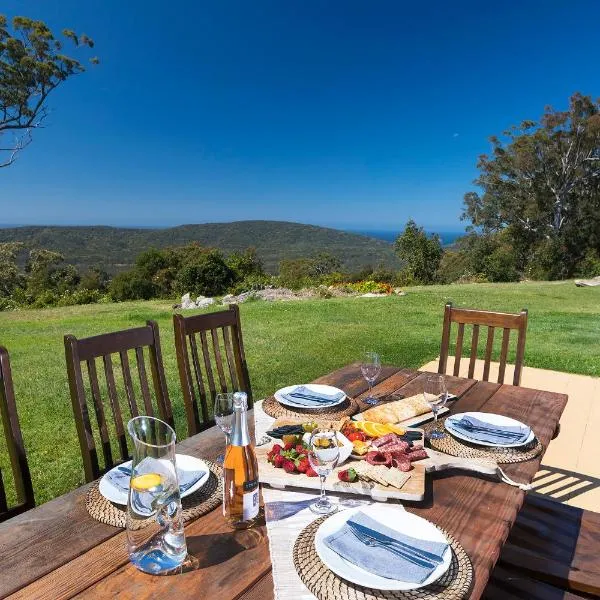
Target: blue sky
350, 114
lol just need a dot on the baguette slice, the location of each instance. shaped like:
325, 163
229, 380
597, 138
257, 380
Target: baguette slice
398, 410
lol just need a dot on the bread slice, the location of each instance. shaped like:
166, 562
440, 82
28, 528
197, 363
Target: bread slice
398, 410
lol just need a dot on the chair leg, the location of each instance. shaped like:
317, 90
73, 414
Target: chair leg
556, 431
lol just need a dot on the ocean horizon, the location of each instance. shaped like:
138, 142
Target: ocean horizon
448, 237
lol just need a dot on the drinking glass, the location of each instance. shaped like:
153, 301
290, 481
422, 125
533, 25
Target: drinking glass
155, 538
323, 456
434, 392
224, 417
370, 369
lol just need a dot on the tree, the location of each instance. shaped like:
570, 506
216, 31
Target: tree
32, 65
246, 263
421, 253
48, 273
542, 185
10, 276
324, 263
206, 274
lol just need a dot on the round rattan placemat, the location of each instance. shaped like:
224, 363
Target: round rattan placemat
208, 497
455, 447
274, 409
455, 584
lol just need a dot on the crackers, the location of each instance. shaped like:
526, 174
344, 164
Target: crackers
381, 474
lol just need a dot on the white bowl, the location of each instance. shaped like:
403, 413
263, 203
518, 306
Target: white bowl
345, 449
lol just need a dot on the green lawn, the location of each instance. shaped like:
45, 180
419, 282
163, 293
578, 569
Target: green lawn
285, 342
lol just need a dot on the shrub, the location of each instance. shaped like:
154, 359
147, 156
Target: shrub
45, 299
81, 296
453, 266
500, 265
206, 274
130, 286
371, 287
245, 264
295, 273
252, 283
589, 266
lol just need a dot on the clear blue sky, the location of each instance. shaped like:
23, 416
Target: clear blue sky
345, 113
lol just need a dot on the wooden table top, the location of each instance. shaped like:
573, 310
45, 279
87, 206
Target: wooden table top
57, 551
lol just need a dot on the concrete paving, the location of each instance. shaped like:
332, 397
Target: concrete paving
570, 471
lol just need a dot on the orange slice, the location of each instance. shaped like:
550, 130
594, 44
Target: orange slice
145, 482
396, 429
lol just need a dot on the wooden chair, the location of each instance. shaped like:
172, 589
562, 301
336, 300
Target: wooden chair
14, 444
103, 346
551, 552
215, 349
491, 320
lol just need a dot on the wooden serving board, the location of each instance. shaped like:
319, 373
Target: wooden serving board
413, 489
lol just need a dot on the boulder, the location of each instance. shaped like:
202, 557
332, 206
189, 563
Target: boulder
373, 295
203, 302
399, 292
595, 281
229, 298
187, 302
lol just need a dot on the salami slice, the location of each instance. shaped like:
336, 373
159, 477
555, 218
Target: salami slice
395, 447
418, 455
379, 458
402, 465
384, 439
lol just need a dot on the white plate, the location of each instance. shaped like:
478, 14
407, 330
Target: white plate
184, 462
394, 517
313, 387
491, 418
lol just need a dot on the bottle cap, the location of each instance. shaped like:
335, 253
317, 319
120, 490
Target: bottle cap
240, 400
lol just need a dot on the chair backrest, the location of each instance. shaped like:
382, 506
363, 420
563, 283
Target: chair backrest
120, 390
491, 320
14, 444
201, 352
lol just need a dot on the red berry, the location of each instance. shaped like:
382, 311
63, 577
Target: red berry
299, 448
311, 472
303, 465
279, 460
289, 466
276, 448
288, 447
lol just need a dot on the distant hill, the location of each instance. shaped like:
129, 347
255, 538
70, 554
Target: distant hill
115, 248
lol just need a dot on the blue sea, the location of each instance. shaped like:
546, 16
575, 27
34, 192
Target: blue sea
447, 237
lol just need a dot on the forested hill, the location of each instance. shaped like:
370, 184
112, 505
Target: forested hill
115, 248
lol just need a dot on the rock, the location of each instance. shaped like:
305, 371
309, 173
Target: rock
203, 302
399, 292
373, 295
595, 281
227, 299
187, 302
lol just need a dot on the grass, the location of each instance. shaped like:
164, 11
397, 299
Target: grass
285, 342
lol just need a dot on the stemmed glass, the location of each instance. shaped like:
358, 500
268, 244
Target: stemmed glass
323, 457
370, 369
434, 392
224, 417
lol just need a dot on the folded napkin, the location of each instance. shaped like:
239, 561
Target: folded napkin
121, 476
302, 396
481, 431
385, 552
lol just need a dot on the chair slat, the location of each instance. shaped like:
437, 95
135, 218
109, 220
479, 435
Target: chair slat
128, 383
230, 357
503, 354
158, 378
218, 361
3, 502
139, 357
115, 407
459, 346
208, 367
488, 353
474, 344
199, 379
99, 410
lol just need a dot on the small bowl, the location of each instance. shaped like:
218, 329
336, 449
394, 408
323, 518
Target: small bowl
345, 449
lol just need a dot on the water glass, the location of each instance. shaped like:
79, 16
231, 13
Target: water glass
435, 394
155, 537
370, 369
224, 417
323, 456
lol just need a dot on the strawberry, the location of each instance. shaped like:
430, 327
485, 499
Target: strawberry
303, 465
299, 448
311, 472
276, 449
289, 466
288, 447
349, 475
278, 461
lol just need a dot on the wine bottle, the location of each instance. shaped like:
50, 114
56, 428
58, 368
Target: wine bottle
240, 471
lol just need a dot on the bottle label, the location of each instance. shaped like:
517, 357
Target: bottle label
251, 485
250, 505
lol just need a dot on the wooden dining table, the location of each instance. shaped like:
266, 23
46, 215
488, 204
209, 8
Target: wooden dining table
58, 551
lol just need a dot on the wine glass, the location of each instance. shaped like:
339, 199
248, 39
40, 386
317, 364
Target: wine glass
370, 369
224, 417
434, 392
323, 456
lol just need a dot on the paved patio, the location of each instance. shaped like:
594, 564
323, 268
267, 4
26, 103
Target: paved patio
571, 467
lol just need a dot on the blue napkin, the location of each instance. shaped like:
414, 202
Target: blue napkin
302, 396
385, 552
121, 476
481, 431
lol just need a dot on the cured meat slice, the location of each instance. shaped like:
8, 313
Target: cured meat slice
399, 446
384, 439
419, 454
402, 464
379, 458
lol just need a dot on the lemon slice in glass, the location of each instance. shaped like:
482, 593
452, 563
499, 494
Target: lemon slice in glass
146, 482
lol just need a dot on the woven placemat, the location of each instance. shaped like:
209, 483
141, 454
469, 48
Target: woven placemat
455, 584
274, 409
208, 497
455, 447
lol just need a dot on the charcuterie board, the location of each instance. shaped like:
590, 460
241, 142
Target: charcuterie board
413, 489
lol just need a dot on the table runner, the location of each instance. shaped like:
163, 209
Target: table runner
286, 514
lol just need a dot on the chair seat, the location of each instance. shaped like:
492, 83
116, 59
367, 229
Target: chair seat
553, 548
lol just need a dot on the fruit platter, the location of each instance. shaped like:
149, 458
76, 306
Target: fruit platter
380, 460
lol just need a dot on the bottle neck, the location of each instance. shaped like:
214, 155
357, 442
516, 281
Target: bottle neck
239, 434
